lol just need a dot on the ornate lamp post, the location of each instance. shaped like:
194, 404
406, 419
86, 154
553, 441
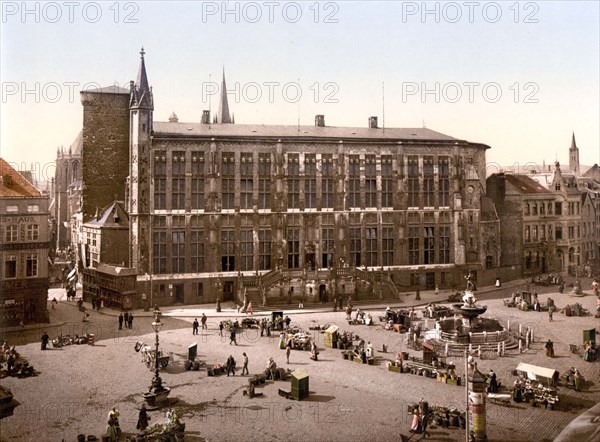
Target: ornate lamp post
157, 392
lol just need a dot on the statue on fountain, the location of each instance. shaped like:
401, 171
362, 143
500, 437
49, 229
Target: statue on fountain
470, 282
468, 299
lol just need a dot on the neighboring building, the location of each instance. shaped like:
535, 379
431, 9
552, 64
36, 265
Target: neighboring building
215, 208
24, 232
528, 223
67, 192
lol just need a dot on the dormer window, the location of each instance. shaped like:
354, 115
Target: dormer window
557, 186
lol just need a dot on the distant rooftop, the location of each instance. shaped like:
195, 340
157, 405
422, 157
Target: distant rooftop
526, 184
108, 90
13, 184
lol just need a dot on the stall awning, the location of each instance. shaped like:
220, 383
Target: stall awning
534, 371
332, 329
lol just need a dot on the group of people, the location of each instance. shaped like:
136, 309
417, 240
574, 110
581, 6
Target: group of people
196, 324
421, 415
125, 319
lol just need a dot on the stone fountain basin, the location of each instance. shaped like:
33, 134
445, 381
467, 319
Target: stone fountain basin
470, 312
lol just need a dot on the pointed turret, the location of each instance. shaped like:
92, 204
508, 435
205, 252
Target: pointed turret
223, 116
574, 156
141, 92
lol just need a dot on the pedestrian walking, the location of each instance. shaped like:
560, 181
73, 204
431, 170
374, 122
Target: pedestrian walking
221, 328
143, 419
120, 321
203, 321
195, 326
130, 321
288, 350
245, 367
261, 324
45, 339
249, 308
550, 311
126, 319
230, 364
232, 337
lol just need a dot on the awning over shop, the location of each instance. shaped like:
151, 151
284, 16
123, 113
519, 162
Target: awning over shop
536, 373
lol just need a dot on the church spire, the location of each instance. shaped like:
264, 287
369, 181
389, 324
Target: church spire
574, 156
223, 115
141, 92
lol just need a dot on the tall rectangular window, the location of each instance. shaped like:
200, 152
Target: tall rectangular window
310, 181
160, 180
33, 232
293, 247
228, 164
178, 180
197, 251
264, 180
355, 246
428, 245
412, 172
160, 252
227, 193
227, 250
444, 181
247, 165
178, 251
444, 244
327, 247
327, 192
413, 245
428, 190
371, 246
246, 250
370, 181
354, 181
198, 180
293, 182
387, 193
387, 246
10, 267
246, 188
264, 249
31, 265
12, 233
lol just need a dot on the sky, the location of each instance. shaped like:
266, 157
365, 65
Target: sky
520, 77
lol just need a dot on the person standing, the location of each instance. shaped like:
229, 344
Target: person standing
143, 419
120, 321
195, 326
126, 319
577, 380
203, 321
550, 311
493, 382
288, 350
245, 367
249, 308
130, 321
45, 339
232, 337
221, 328
230, 365
549, 349
414, 428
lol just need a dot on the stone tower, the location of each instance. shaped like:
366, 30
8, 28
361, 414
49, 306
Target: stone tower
141, 106
105, 147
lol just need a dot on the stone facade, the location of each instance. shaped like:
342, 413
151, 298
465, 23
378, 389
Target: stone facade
24, 244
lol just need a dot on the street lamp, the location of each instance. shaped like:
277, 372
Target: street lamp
157, 392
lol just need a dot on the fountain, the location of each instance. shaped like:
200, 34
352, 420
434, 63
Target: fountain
467, 330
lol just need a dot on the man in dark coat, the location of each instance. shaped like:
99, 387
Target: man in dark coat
232, 337
130, 321
120, 321
230, 365
143, 419
195, 326
45, 339
126, 319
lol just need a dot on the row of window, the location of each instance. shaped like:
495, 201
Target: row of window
31, 208
369, 246
538, 233
546, 208
11, 233
31, 266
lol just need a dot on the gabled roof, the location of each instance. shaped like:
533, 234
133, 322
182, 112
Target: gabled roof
13, 184
526, 184
77, 145
113, 215
331, 133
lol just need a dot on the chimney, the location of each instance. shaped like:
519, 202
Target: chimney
205, 117
320, 120
7, 180
372, 122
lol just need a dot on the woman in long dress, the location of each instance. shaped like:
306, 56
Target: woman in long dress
415, 422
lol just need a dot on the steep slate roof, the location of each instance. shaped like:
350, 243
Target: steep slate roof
107, 217
77, 145
525, 184
199, 130
19, 187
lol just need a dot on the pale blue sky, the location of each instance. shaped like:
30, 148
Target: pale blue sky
554, 61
